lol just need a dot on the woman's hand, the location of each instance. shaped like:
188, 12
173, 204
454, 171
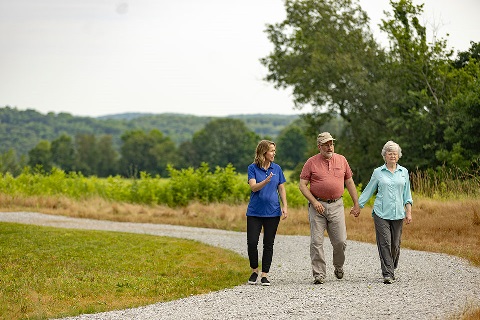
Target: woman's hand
408, 218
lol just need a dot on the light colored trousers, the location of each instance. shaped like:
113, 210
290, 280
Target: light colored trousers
333, 221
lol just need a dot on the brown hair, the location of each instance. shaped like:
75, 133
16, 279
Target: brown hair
262, 148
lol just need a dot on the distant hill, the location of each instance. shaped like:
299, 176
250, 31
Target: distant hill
22, 130
125, 116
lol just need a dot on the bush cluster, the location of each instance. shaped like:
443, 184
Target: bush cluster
183, 186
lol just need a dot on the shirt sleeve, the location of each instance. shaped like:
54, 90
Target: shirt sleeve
369, 190
251, 172
407, 194
281, 176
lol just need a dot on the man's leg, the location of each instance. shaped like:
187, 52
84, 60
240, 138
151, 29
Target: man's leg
337, 232
317, 227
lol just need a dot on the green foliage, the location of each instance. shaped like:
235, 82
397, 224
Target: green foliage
224, 185
63, 152
184, 186
9, 162
223, 142
41, 155
295, 198
291, 146
146, 152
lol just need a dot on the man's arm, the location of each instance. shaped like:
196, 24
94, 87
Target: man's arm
305, 190
352, 190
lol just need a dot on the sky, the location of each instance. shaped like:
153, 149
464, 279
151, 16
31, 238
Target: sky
101, 57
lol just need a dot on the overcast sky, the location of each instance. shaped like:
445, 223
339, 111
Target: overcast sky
201, 57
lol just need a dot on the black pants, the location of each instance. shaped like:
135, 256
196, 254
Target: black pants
254, 227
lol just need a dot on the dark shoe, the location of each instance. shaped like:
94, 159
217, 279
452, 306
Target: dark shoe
338, 273
265, 281
319, 280
388, 280
253, 278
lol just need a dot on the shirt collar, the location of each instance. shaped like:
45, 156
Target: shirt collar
399, 167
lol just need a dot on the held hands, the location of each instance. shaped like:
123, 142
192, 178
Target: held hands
355, 211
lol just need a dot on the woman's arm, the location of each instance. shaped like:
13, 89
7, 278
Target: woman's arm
283, 196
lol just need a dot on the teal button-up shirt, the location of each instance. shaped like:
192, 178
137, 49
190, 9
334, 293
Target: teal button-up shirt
393, 192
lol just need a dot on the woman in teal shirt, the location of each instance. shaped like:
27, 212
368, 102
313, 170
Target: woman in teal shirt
392, 206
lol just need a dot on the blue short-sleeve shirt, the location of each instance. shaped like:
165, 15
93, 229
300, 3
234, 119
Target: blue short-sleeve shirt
265, 202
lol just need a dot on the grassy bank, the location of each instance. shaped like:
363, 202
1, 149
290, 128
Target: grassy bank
52, 272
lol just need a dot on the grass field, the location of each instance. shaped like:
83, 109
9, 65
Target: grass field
52, 272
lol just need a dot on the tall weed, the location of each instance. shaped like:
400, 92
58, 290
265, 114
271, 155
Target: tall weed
446, 183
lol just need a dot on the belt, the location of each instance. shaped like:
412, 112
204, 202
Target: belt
329, 200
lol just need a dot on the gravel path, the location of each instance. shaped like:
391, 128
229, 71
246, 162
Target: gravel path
429, 285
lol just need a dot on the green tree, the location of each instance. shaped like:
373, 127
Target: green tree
224, 141
291, 147
41, 156
63, 153
9, 162
146, 152
107, 158
325, 51
461, 146
418, 85
87, 154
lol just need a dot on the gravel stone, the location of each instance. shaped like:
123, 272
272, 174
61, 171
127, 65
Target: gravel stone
428, 286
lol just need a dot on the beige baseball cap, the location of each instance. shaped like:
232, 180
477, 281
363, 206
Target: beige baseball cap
324, 137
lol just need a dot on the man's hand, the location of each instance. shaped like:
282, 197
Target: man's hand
355, 211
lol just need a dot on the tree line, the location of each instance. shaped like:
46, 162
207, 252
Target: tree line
222, 142
21, 130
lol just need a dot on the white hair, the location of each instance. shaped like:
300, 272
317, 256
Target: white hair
391, 146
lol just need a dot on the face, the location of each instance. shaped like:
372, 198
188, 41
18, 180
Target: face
391, 157
270, 154
326, 149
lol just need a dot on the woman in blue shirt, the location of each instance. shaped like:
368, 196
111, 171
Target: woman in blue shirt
392, 206
266, 181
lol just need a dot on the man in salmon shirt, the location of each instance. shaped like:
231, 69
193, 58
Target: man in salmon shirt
327, 173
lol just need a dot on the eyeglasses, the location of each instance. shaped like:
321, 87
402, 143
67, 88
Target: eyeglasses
327, 145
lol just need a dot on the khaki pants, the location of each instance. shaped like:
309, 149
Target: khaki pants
333, 221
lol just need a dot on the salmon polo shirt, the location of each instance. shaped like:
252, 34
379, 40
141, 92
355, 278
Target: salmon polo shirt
327, 176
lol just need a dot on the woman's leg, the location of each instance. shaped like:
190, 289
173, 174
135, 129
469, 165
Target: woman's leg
270, 226
254, 227
397, 226
384, 244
